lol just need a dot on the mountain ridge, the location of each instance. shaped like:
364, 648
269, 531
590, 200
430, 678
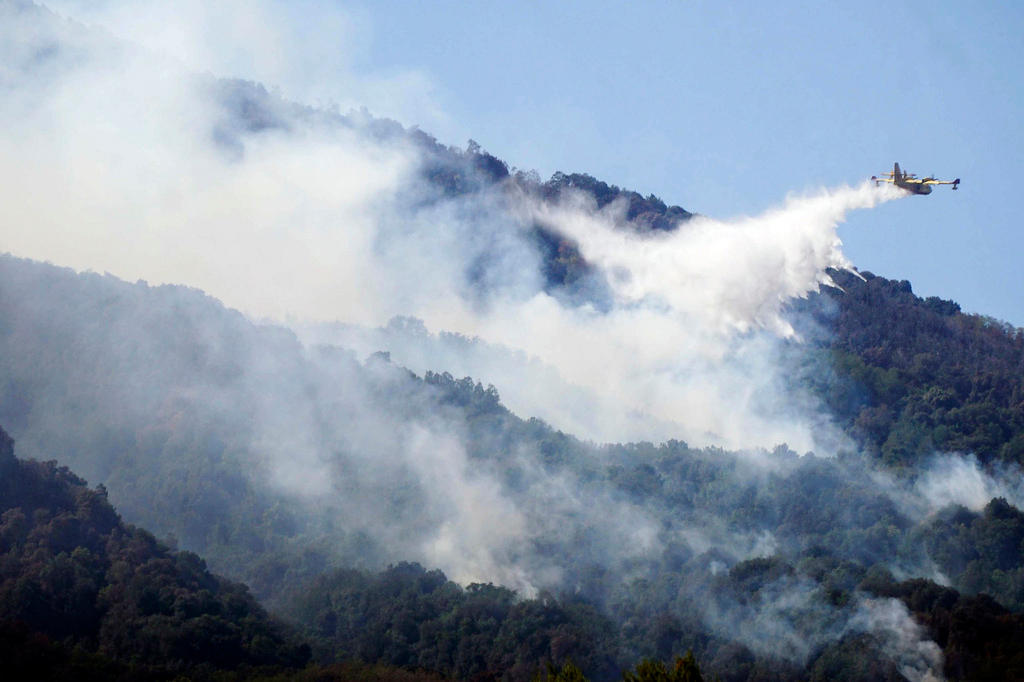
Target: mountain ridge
399, 513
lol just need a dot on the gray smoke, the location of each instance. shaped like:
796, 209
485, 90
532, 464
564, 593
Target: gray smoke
117, 159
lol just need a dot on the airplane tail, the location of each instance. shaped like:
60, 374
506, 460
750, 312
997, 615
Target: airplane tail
897, 174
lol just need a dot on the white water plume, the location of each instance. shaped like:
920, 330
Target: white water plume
725, 276
691, 346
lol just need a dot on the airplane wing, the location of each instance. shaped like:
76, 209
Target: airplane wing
933, 181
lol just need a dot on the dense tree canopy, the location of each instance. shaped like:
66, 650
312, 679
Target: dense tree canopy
72, 571
917, 375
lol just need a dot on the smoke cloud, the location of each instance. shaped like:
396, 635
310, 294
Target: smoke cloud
690, 348
129, 165
918, 658
122, 160
961, 479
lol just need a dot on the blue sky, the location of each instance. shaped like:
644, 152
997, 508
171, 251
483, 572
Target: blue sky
725, 108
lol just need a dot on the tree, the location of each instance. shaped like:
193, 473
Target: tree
685, 669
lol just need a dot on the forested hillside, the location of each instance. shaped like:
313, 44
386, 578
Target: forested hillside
109, 600
472, 423
831, 530
925, 376
83, 595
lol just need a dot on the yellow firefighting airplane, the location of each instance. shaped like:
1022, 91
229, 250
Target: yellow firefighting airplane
912, 183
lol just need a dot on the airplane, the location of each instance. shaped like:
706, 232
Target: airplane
912, 183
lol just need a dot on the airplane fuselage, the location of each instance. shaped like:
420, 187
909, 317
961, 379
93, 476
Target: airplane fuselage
915, 187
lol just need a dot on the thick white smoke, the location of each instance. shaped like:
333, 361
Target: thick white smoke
961, 479
112, 162
917, 657
690, 347
947, 479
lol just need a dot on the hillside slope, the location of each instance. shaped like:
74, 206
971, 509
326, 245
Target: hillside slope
82, 594
72, 571
922, 375
169, 398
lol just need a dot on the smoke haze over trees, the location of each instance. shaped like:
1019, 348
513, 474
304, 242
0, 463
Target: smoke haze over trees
439, 413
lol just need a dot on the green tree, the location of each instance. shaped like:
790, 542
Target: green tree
685, 669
